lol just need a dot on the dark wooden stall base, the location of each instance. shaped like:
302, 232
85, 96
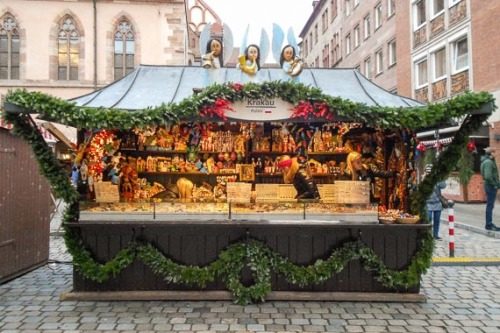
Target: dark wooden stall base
199, 243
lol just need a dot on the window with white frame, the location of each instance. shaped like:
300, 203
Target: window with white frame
347, 7
368, 68
356, 36
324, 20
334, 10
379, 62
367, 30
356, 3
439, 61
452, 3
391, 7
392, 52
419, 14
326, 56
336, 48
378, 15
437, 7
348, 44
421, 73
460, 55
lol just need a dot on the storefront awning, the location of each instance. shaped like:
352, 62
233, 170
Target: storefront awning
428, 138
151, 86
47, 136
65, 134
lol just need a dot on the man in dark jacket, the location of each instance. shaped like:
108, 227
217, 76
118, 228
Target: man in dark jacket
489, 171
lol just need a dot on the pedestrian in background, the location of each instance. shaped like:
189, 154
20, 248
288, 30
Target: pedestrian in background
434, 206
489, 171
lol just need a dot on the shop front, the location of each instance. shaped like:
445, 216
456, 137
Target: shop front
184, 194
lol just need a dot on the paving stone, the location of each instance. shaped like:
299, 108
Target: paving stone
460, 299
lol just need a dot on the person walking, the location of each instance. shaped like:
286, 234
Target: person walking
491, 183
434, 206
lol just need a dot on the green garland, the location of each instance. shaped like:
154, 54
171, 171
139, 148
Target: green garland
64, 112
261, 260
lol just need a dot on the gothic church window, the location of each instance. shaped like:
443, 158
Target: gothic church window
124, 49
9, 48
68, 50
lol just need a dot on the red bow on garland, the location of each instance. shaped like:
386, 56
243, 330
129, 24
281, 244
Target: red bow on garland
306, 110
218, 109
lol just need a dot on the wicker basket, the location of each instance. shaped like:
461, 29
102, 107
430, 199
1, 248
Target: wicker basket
387, 220
408, 220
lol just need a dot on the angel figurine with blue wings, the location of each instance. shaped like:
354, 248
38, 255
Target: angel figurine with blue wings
287, 56
215, 52
249, 62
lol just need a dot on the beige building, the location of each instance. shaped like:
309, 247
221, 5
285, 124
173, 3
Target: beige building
70, 48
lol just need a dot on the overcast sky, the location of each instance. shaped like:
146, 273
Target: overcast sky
237, 14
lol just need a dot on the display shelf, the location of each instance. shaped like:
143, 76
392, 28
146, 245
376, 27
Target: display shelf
160, 152
188, 173
327, 153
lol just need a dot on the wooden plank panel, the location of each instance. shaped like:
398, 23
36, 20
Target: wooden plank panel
301, 243
25, 209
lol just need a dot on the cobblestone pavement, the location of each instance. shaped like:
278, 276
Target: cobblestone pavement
461, 298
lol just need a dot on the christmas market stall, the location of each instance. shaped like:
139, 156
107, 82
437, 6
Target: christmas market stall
182, 187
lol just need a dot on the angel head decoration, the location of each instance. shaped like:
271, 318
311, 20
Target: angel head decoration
213, 56
215, 52
249, 61
287, 56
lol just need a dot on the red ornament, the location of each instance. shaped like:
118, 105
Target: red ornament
471, 146
421, 147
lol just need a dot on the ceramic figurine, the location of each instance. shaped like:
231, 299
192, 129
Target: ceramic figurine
287, 56
216, 54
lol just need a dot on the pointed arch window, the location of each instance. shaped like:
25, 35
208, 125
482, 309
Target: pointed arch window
68, 50
9, 48
124, 49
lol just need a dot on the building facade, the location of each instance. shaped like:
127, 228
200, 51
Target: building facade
353, 34
430, 50
453, 47
70, 48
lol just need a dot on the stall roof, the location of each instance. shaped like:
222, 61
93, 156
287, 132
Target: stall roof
151, 86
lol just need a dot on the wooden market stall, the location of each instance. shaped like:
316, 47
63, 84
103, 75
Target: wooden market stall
25, 209
255, 242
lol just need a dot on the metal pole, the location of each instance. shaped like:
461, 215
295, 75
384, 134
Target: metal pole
451, 228
95, 44
436, 135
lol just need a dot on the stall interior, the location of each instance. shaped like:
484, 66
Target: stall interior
236, 163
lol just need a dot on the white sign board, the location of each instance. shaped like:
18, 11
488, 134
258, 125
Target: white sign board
261, 109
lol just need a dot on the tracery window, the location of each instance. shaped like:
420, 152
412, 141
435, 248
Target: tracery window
124, 49
9, 48
68, 50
